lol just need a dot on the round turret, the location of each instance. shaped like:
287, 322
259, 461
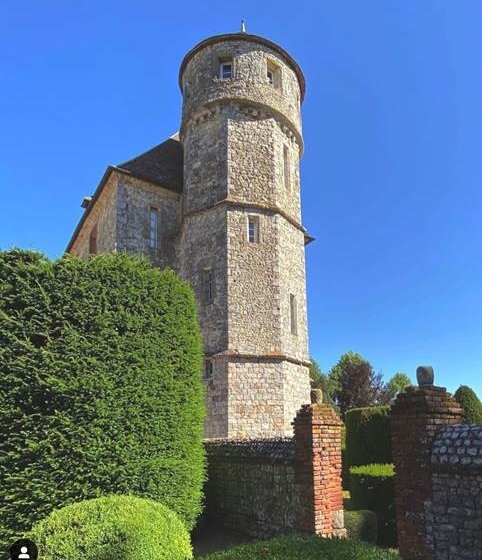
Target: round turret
244, 69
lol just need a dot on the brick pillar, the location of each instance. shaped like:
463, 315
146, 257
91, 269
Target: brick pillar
317, 436
416, 415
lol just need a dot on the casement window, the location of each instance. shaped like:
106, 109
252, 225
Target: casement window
286, 167
153, 227
93, 241
253, 229
226, 68
293, 314
208, 369
208, 285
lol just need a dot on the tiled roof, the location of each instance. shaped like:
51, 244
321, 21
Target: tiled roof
161, 165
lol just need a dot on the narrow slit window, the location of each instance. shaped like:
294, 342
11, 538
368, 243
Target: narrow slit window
270, 76
225, 68
208, 285
153, 227
293, 314
208, 369
253, 229
286, 167
93, 241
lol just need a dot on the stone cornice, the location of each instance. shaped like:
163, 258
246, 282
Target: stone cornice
242, 204
278, 357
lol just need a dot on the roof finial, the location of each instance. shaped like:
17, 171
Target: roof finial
243, 26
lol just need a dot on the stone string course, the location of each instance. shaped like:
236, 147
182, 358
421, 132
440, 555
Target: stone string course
270, 486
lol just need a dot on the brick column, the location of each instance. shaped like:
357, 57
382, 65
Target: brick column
416, 415
317, 437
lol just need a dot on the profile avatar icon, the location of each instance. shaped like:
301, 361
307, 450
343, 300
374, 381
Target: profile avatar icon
23, 549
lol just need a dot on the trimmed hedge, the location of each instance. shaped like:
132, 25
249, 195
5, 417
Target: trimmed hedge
368, 436
302, 547
361, 525
100, 386
113, 527
372, 488
471, 404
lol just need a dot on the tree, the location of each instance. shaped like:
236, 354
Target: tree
100, 386
357, 384
320, 380
398, 383
471, 404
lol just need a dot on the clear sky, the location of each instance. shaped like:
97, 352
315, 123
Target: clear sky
392, 171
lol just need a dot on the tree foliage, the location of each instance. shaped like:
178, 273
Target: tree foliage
398, 383
100, 386
357, 385
470, 403
320, 380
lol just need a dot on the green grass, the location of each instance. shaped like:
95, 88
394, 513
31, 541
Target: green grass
298, 547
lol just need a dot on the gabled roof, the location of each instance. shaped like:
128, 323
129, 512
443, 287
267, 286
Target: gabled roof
161, 165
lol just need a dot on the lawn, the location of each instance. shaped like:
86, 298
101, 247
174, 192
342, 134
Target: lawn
297, 547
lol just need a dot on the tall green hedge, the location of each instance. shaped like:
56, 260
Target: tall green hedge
100, 386
371, 487
368, 436
470, 403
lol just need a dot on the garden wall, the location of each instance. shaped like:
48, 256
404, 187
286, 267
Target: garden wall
266, 487
454, 514
438, 477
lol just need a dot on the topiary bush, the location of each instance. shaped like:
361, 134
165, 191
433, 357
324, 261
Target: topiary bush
100, 386
372, 488
361, 525
471, 404
368, 436
111, 527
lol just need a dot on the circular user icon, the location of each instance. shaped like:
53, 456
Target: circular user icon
23, 549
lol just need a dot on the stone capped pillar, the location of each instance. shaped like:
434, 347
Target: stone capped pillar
416, 416
318, 469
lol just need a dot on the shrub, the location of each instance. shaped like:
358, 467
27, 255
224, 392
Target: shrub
368, 436
121, 527
100, 386
471, 404
361, 525
298, 547
372, 488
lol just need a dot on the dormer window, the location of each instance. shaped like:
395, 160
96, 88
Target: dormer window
225, 68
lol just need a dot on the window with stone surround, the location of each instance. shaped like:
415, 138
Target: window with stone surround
293, 314
153, 227
253, 229
208, 369
93, 241
286, 167
273, 74
208, 285
226, 67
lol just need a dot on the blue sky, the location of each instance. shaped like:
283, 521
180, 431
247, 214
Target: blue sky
391, 176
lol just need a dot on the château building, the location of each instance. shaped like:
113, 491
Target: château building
219, 202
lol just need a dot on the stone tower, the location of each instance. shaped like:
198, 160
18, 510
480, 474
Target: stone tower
241, 242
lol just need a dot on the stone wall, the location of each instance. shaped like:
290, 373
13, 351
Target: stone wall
438, 476
454, 513
271, 486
